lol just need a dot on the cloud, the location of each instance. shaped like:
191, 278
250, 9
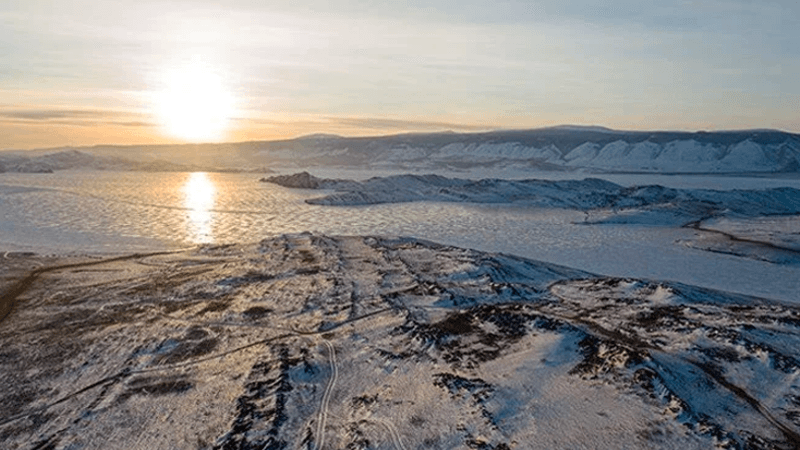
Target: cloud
74, 117
374, 123
51, 114
135, 123
361, 125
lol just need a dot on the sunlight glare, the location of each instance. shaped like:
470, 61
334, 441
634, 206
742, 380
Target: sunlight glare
194, 105
198, 194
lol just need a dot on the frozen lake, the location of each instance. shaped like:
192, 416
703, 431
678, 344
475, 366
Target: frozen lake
118, 212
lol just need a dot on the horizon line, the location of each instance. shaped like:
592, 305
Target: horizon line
322, 135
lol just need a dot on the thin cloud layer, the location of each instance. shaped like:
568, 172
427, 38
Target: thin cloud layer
424, 65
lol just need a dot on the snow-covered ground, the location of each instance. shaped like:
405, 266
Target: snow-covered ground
259, 339
317, 342
779, 231
651, 203
556, 148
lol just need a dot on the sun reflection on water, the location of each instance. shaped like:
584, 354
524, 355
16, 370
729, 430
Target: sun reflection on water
199, 193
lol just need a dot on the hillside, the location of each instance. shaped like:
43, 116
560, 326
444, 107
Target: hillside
558, 148
564, 148
309, 341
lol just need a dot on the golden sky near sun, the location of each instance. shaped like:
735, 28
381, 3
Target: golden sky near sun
93, 72
194, 104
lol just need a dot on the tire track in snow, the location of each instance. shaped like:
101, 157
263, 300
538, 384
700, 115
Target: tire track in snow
326, 397
398, 444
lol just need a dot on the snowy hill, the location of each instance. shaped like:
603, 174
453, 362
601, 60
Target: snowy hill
652, 204
48, 162
562, 148
557, 148
309, 341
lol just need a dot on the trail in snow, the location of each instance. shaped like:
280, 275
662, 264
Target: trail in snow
326, 397
398, 444
391, 430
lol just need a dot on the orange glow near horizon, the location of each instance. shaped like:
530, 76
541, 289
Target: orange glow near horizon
92, 72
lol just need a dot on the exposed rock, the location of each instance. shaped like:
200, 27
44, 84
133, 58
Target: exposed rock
301, 180
364, 342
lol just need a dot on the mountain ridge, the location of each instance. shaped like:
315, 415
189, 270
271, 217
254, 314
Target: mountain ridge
445, 133
564, 147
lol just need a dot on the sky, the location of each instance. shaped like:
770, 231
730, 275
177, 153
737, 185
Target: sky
86, 72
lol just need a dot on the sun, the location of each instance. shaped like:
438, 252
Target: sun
194, 105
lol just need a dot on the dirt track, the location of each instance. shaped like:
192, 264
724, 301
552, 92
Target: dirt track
14, 289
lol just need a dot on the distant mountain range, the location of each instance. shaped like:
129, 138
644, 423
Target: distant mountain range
563, 148
74, 159
557, 148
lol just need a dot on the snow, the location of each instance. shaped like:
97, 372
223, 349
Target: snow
582, 154
318, 341
774, 239
566, 148
614, 150
746, 154
139, 212
643, 154
605, 202
495, 152
312, 341
569, 148
679, 156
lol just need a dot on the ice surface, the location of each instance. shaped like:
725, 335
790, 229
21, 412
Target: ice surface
120, 212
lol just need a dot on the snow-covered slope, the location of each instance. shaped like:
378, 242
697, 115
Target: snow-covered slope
314, 342
36, 162
685, 156
608, 201
556, 148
